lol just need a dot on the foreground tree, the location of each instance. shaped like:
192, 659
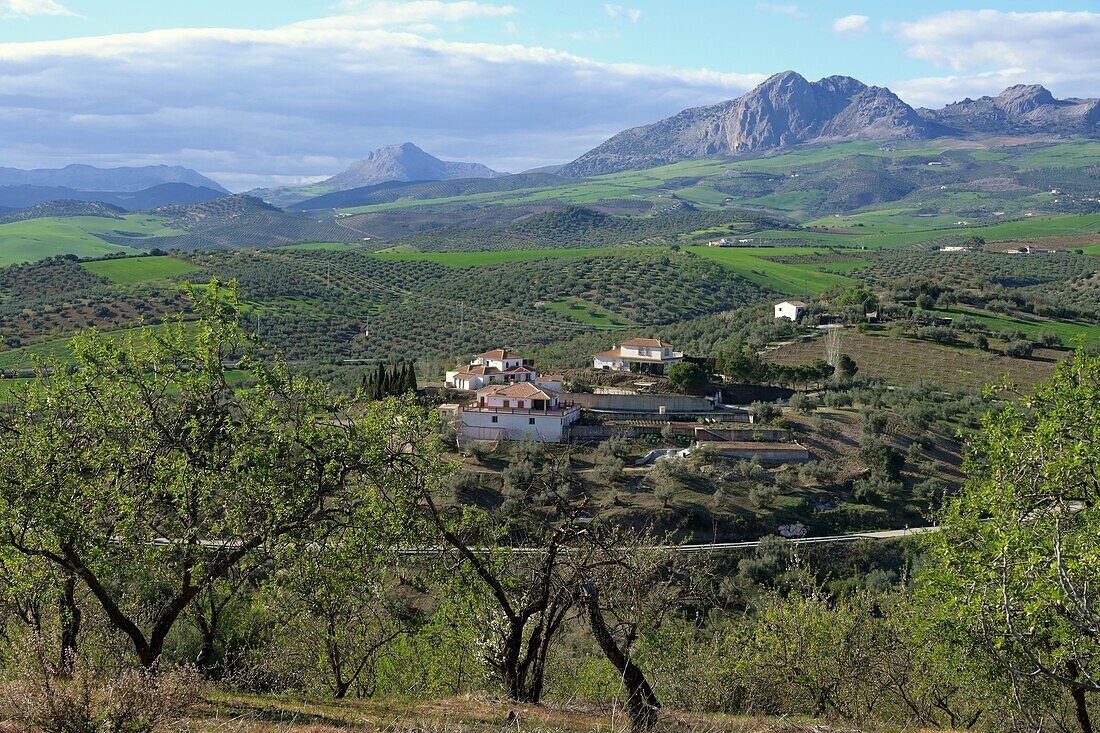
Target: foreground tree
1017, 562
629, 583
143, 472
527, 591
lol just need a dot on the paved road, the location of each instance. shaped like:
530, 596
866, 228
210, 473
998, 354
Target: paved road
887, 534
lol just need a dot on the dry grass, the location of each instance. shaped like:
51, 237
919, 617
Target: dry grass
224, 713
910, 362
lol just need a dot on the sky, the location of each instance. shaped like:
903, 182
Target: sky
265, 92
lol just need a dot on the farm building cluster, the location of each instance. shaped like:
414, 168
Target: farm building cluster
503, 397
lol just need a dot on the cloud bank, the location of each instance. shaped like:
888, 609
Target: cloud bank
301, 100
988, 50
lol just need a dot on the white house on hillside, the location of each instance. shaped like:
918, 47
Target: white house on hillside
498, 366
790, 309
651, 355
515, 412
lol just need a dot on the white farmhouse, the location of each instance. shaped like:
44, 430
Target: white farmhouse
790, 309
498, 366
516, 412
648, 355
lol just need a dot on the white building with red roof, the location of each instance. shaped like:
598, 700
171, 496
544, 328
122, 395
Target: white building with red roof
517, 411
641, 354
497, 366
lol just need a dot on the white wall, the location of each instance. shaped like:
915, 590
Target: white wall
514, 426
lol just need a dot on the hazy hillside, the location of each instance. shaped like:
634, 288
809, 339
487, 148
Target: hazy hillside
22, 196
91, 178
404, 162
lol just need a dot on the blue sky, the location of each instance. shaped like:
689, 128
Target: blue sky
255, 92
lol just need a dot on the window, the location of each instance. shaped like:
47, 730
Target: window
494, 418
530, 421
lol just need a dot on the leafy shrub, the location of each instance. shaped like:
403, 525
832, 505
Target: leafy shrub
91, 700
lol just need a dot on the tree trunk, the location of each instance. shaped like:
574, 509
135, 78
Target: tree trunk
641, 701
70, 624
1080, 703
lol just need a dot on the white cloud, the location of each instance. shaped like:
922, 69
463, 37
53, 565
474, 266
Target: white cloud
387, 13
618, 12
24, 8
303, 99
988, 50
851, 24
792, 10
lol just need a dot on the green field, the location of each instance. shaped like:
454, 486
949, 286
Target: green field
749, 263
1069, 331
308, 246
129, 270
585, 312
35, 239
477, 259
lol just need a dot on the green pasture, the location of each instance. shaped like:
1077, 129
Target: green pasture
36, 239
581, 310
477, 259
130, 270
750, 263
1070, 331
308, 246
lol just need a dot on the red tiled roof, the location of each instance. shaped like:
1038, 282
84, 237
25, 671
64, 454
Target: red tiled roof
477, 371
519, 390
500, 354
647, 343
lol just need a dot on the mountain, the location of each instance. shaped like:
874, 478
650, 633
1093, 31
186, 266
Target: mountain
784, 110
1020, 108
22, 196
90, 178
404, 162
391, 191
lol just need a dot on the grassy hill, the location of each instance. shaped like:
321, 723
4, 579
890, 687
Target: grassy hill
83, 236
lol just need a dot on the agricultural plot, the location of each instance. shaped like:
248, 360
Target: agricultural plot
922, 363
130, 270
35, 239
1070, 332
585, 312
478, 259
750, 263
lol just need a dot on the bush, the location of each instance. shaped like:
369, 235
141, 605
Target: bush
688, 376
881, 458
876, 487
1018, 349
764, 412
803, 403
90, 700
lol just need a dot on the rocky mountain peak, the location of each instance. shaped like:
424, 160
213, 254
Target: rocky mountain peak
1023, 98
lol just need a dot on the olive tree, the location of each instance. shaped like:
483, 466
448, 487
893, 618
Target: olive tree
146, 472
1017, 561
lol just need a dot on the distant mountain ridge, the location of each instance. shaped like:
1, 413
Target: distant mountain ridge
23, 196
1020, 108
787, 109
404, 162
90, 178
